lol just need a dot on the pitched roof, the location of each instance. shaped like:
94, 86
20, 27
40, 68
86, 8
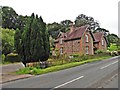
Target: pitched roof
77, 33
98, 36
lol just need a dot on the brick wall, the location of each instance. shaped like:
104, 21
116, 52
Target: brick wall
88, 44
72, 46
104, 46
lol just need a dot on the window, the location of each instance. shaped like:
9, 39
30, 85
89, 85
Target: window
87, 50
60, 40
61, 50
102, 42
86, 38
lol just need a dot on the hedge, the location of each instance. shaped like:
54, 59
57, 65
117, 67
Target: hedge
12, 57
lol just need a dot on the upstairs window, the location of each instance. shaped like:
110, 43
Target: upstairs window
61, 41
102, 42
86, 38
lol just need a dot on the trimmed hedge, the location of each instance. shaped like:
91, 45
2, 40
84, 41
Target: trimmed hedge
12, 57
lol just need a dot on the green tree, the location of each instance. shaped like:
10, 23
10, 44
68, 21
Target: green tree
112, 38
9, 17
17, 40
65, 25
53, 29
84, 20
34, 44
7, 37
106, 32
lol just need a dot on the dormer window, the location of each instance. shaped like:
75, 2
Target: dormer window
86, 38
102, 42
61, 41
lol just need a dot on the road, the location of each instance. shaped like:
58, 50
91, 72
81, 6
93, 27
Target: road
98, 74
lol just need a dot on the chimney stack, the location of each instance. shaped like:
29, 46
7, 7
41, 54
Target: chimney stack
72, 27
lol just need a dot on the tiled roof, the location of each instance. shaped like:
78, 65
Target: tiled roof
97, 36
77, 33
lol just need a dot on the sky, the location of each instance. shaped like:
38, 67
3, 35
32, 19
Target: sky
104, 11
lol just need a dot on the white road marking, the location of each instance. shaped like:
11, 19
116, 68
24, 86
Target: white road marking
68, 82
108, 65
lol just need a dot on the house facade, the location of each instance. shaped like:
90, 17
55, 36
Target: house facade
80, 40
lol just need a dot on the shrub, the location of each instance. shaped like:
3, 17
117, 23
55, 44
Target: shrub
98, 52
79, 58
3, 58
75, 55
84, 57
12, 57
118, 52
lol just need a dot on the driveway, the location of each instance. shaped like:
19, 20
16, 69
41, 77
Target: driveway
7, 72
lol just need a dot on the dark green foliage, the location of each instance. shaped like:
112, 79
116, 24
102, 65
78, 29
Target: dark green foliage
9, 18
12, 57
53, 29
17, 40
101, 30
112, 38
33, 42
82, 20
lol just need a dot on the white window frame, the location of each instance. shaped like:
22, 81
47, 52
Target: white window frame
61, 50
87, 50
86, 38
102, 42
61, 41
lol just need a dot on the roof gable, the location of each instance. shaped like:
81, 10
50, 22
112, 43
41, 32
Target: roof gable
98, 36
77, 33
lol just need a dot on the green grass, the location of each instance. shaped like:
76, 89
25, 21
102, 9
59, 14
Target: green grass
36, 70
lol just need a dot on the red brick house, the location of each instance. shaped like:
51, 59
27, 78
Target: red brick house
100, 42
80, 40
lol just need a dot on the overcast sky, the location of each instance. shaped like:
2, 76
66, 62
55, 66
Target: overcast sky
104, 11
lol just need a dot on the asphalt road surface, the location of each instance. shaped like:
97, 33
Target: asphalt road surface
99, 74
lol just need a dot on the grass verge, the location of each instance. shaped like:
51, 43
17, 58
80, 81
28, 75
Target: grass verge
37, 70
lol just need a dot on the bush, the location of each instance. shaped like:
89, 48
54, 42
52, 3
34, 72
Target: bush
3, 58
84, 57
75, 55
118, 52
98, 52
78, 58
12, 57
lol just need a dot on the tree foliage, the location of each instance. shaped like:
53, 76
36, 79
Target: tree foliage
9, 18
86, 20
53, 29
112, 38
7, 37
33, 41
